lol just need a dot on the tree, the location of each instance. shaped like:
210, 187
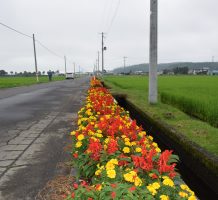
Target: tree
180, 70
3, 72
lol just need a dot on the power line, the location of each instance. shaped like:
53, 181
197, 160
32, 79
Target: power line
40, 43
114, 16
103, 14
109, 12
15, 30
52, 52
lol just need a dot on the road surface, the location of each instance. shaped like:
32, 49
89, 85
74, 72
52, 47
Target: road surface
34, 124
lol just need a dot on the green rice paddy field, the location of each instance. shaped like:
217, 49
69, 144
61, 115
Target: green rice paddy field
197, 96
8, 82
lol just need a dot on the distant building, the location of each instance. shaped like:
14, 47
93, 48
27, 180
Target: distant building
201, 71
138, 72
213, 72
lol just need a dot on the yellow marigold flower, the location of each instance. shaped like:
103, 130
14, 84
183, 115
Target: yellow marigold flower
183, 186
111, 173
90, 133
80, 137
138, 150
99, 135
109, 166
99, 131
151, 189
150, 138
88, 112
156, 185
78, 144
154, 144
133, 143
168, 182
73, 133
126, 150
164, 197
98, 172
130, 176
183, 194
142, 133
123, 136
96, 126
114, 161
192, 198
158, 150
106, 140
126, 139
138, 181
128, 144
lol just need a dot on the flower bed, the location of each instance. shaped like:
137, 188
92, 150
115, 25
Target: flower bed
117, 159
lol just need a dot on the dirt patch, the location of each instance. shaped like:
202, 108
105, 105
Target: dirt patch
56, 189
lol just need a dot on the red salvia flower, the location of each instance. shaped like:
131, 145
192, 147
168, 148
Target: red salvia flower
112, 146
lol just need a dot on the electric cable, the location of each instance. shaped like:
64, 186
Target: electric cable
15, 30
24, 34
52, 52
114, 16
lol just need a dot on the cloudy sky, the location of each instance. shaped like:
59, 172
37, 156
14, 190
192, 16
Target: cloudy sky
188, 31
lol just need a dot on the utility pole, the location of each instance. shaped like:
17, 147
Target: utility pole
74, 69
65, 65
79, 71
124, 64
98, 60
153, 54
102, 51
36, 68
96, 67
94, 70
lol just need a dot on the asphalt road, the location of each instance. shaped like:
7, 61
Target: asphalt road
34, 125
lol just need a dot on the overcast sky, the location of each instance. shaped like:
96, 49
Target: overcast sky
188, 31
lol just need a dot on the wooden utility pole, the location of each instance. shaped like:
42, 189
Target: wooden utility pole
36, 68
153, 52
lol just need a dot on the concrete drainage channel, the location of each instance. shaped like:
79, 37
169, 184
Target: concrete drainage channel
197, 167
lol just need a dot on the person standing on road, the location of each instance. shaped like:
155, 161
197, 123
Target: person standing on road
49, 75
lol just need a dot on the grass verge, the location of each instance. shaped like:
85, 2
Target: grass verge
9, 82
